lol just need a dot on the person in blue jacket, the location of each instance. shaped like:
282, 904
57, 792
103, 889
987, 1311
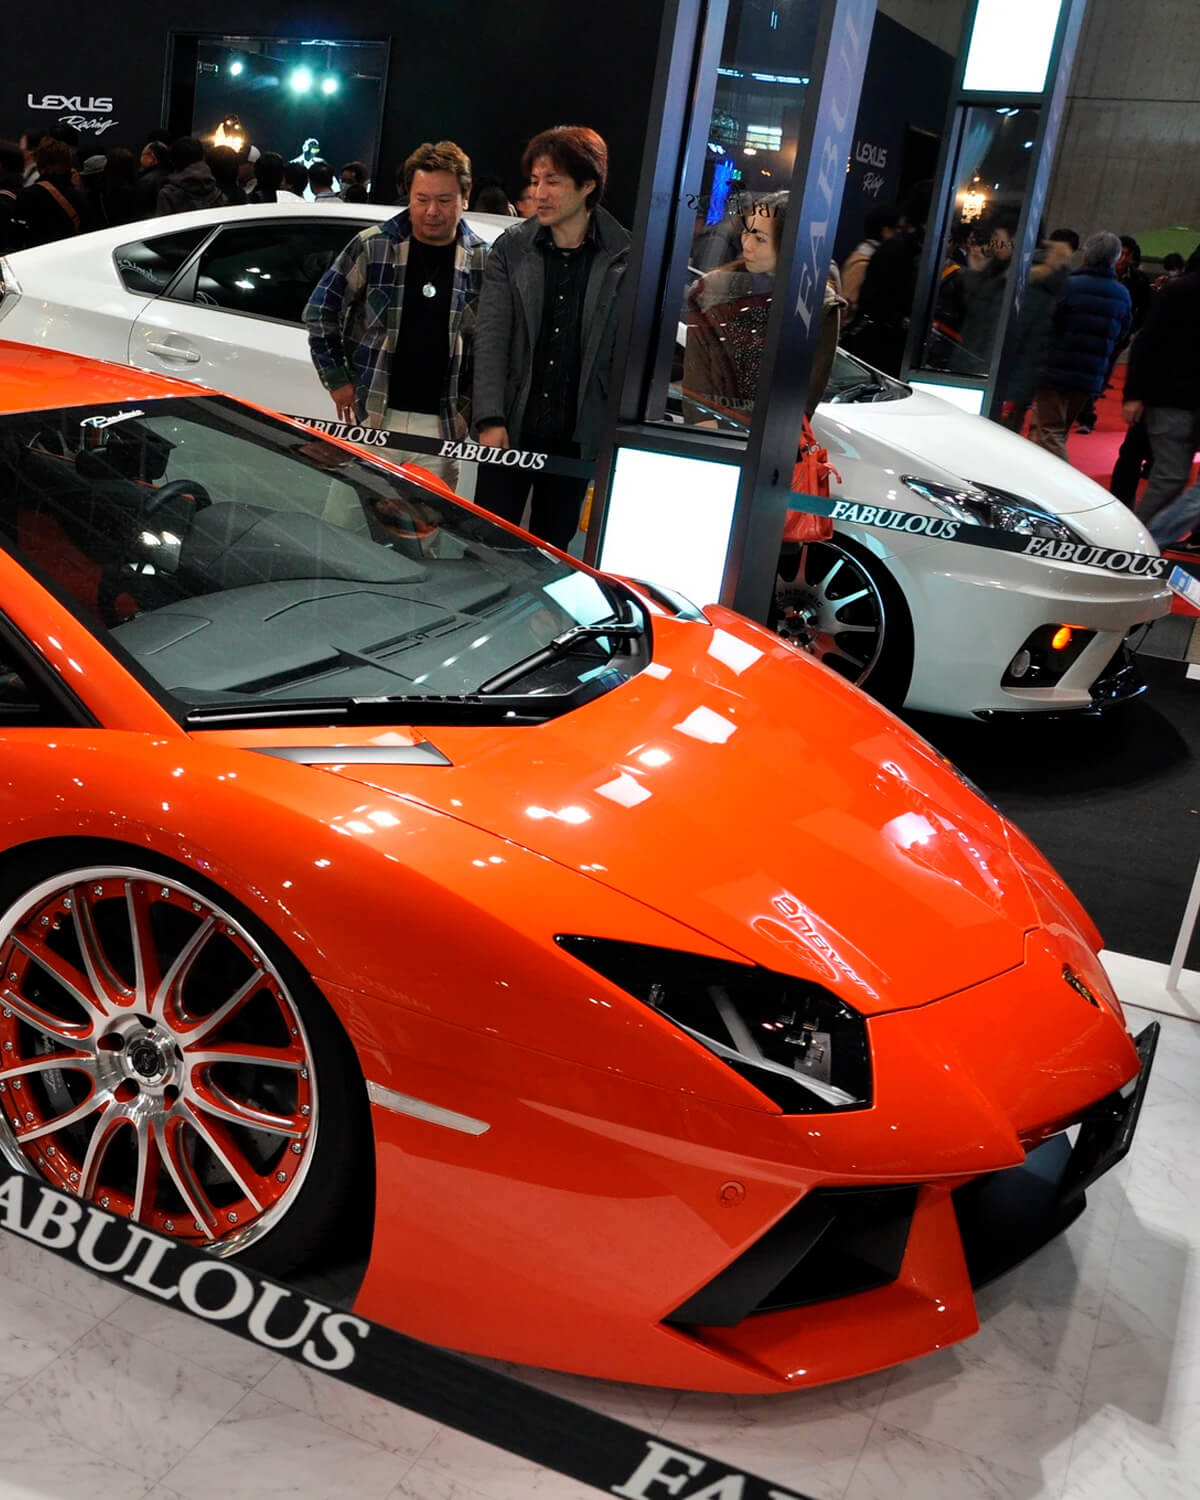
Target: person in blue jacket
1093, 316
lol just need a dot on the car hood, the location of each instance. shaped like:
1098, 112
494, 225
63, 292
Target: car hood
926, 436
743, 790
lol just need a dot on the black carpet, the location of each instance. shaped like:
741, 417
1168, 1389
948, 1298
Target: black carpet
1113, 802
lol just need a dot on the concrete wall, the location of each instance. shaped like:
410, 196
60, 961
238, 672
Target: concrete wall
1129, 152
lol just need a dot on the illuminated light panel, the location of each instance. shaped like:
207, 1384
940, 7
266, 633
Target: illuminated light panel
1010, 48
967, 398
668, 521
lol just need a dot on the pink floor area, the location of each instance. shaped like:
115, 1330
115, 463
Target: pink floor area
1095, 453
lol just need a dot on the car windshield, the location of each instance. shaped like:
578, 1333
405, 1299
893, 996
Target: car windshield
850, 382
254, 570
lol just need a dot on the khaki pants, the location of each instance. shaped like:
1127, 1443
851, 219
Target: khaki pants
426, 425
1053, 413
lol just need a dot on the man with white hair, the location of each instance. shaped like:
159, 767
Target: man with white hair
1093, 316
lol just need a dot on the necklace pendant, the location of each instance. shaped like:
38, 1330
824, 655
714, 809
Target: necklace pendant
429, 290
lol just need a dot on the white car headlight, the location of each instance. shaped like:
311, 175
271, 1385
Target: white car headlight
985, 505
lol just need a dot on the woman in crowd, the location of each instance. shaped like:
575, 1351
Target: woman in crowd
52, 207
727, 314
727, 321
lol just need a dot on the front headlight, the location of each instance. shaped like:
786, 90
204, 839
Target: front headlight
796, 1042
985, 505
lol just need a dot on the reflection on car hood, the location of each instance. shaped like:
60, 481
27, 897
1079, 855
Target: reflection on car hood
925, 435
746, 792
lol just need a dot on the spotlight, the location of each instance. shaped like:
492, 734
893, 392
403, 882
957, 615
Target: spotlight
236, 69
230, 133
329, 85
301, 81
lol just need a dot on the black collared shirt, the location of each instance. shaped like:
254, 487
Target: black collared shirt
550, 416
417, 379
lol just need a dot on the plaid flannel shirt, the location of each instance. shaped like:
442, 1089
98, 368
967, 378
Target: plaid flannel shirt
353, 320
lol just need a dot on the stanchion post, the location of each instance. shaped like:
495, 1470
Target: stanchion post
1187, 928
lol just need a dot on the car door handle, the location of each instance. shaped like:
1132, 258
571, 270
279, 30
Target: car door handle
169, 351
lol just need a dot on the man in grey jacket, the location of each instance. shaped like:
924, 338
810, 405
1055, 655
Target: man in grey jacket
546, 331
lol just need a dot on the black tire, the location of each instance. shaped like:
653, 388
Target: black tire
324, 1211
840, 603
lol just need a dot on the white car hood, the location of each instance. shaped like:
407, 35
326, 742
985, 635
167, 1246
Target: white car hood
926, 436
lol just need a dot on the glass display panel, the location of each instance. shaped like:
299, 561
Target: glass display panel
990, 182
720, 302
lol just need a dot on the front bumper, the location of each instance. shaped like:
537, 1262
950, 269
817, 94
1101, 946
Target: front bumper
841, 1241
598, 1220
973, 610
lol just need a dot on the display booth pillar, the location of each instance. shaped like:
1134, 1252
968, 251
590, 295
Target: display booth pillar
1010, 91
695, 479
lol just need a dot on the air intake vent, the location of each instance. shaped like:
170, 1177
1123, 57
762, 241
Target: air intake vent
834, 1243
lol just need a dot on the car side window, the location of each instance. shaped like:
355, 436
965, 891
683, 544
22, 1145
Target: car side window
270, 270
150, 265
26, 699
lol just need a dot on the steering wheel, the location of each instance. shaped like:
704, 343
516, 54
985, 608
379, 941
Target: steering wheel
178, 489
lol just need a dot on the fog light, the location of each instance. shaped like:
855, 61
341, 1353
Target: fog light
1020, 664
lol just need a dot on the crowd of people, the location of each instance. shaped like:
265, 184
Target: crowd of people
1085, 306
416, 324
52, 187
418, 327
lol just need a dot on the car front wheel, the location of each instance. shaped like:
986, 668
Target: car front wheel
837, 602
163, 1056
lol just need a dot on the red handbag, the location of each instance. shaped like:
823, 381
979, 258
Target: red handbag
810, 477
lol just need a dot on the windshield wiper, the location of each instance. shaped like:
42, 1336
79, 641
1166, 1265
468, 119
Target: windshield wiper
562, 645
427, 708
865, 390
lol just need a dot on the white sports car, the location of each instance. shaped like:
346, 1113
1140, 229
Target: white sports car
216, 297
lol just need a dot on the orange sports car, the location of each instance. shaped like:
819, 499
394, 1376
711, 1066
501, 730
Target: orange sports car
632, 995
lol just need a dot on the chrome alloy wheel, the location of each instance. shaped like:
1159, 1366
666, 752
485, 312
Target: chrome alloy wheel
152, 1060
833, 609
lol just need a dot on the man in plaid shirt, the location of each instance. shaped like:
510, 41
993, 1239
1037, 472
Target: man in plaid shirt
391, 323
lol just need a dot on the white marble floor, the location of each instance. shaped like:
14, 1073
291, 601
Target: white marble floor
1083, 1384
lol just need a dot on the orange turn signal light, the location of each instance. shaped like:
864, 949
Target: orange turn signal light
1062, 637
